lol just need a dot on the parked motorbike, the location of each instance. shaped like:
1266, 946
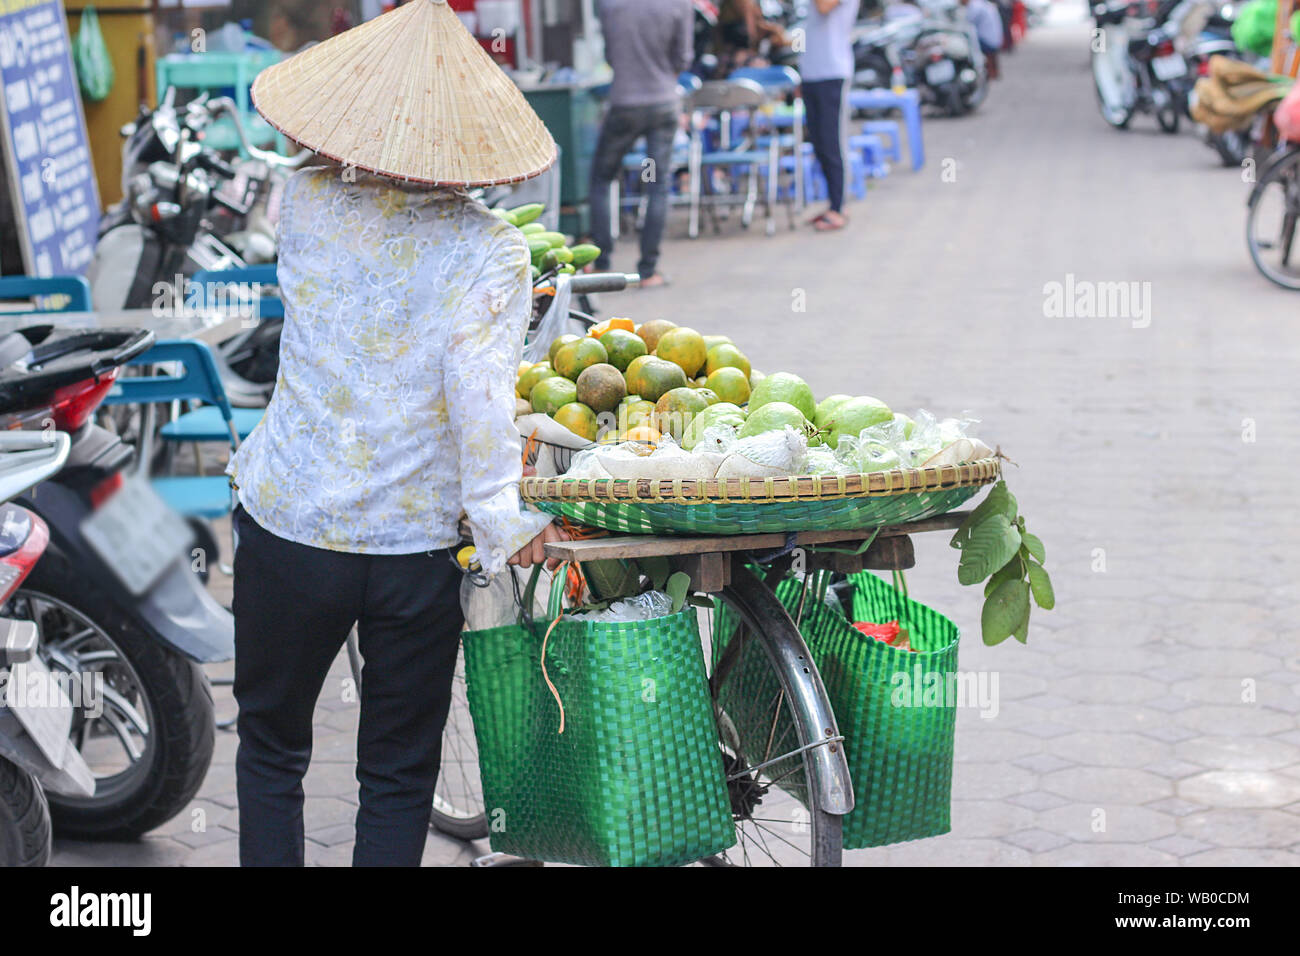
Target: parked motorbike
36, 708
1135, 67
186, 209
114, 595
935, 51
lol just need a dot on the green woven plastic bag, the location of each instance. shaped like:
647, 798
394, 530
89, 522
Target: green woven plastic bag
636, 779
900, 757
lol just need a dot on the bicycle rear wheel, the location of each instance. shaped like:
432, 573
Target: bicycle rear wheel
458, 796
1271, 222
780, 820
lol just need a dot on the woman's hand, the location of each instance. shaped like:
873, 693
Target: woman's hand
534, 552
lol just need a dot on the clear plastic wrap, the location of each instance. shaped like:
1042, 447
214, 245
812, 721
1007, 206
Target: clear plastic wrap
639, 607
495, 604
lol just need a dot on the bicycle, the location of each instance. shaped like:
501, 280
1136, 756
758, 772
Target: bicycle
1273, 211
796, 779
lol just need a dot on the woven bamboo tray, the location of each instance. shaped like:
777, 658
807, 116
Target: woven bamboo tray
758, 505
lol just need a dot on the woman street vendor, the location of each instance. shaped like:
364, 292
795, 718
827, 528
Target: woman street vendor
406, 304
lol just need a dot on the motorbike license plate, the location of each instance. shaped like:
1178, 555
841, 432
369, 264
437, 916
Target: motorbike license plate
940, 72
137, 535
36, 698
1169, 67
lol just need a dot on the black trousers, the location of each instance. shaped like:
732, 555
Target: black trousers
825, 102
294, 606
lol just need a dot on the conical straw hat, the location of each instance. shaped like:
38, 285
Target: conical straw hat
410, 95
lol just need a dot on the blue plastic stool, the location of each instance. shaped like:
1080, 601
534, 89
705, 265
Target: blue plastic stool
908, 103
891, 129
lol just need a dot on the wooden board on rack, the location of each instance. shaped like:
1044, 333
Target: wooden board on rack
647, 546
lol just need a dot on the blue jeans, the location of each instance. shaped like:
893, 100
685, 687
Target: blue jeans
623, 126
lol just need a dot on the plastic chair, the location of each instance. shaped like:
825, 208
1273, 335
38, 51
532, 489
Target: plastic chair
39, 289
717, 100
215, 286
198, 496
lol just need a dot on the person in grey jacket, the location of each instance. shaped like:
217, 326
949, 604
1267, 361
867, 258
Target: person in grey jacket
648, 43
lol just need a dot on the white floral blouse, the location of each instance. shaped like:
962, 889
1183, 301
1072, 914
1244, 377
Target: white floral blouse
405, 313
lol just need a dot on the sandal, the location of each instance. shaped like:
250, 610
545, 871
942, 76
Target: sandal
824, 222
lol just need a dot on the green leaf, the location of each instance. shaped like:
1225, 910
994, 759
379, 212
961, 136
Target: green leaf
992, 544
657, 569
1005, 612
1011, 571
998, 502
1022, 632
700, 600
677, 587
1041, 584
1034, 545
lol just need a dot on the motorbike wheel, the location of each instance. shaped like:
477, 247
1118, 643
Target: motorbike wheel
954, 104
151, 747
1112, 97
1168, 116
24, 818
1233, 146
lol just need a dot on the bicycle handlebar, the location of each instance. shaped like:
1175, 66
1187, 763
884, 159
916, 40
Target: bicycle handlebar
603, 282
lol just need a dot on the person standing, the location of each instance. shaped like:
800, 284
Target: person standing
648, 43
826, 68
405, 307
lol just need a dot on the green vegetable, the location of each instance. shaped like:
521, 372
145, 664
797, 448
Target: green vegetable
537, 248
584, 254
995, 546
564, 254
526, 213
532, 228
554, 239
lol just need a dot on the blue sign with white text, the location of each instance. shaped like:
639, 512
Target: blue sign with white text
47, 154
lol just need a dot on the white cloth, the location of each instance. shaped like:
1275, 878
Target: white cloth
405, 314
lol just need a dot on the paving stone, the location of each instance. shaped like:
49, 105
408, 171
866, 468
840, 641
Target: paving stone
1240, 788
989, 818
995, 745
1116, 822
1239, 753
1180, 846
953, 851
1110, 689
1174, 805
1174, 769
1039, 800
979, 781
1043, 763
333, 835
1103, 785
1037, 841
1172, 733
1105, 854
1239, 857
1109, 749
1241, 828
206, 836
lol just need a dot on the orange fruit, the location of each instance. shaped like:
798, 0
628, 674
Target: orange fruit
600, 328
642, 433
576, 357
577, 418
726, 355
650, 332
685, 348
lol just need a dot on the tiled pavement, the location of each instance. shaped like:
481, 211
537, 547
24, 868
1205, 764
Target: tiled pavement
1152, 718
